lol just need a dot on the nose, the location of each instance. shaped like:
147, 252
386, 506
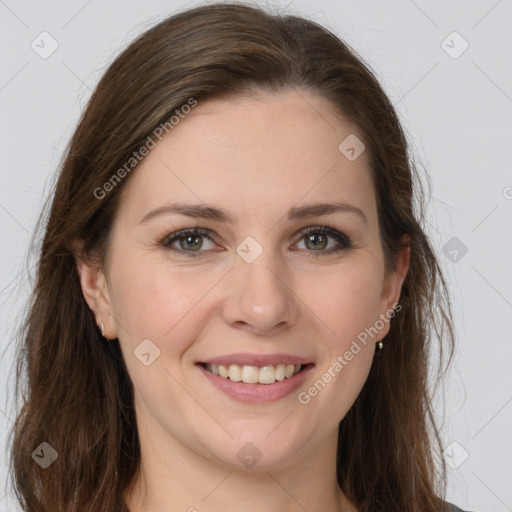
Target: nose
259, 296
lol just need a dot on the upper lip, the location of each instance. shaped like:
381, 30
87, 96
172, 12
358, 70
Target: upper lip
245, 359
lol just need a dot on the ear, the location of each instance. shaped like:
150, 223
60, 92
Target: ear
393, 285
95, 291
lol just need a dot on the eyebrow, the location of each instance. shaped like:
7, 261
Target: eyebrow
203, 211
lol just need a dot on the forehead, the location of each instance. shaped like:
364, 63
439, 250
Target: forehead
265, 152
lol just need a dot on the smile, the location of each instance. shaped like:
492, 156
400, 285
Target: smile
254, 374
256, 384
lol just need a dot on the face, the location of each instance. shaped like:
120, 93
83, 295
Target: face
262, 280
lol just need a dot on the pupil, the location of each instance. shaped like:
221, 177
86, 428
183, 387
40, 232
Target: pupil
319, 241
191, 242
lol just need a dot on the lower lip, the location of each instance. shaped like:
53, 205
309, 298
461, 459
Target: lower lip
257, 393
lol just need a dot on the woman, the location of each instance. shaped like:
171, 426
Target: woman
235, 295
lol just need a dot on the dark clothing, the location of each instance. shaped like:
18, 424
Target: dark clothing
454, 508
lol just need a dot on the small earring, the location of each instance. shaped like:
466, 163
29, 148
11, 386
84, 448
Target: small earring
380, 344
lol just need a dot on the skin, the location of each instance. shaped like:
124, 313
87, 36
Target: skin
256, 158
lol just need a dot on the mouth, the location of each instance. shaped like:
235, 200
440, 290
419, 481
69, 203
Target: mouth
258, 382
250, 374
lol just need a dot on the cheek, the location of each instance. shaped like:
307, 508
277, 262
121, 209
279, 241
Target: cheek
346, 300
348, 306
157, 300
162, 303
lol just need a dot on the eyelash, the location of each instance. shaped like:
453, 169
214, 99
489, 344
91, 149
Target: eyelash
326, 230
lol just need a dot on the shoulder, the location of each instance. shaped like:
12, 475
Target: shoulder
454, 508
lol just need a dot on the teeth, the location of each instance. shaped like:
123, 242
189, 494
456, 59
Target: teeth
254, 374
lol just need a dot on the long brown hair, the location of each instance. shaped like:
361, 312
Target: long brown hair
78, 396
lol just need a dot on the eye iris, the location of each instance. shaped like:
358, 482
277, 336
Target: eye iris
318, 240
193, 242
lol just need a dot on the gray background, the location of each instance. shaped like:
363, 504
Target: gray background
456, 110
